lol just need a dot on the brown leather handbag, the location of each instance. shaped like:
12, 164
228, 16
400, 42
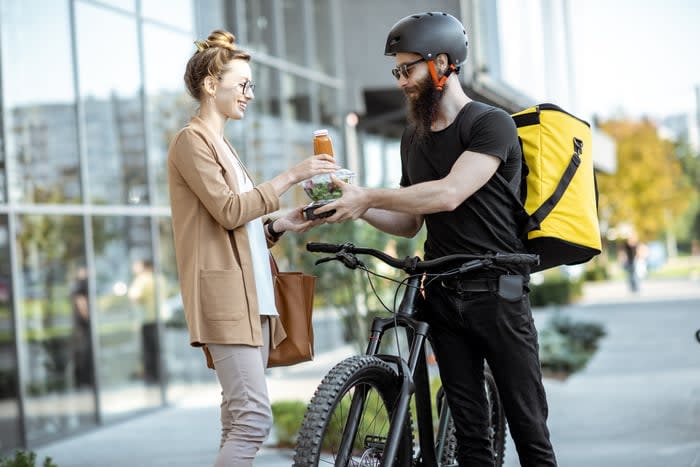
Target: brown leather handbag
294, 298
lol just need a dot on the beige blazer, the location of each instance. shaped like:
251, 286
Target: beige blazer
213, 254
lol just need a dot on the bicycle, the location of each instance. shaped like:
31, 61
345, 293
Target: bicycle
360, 414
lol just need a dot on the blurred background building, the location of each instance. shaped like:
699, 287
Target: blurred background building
91, 93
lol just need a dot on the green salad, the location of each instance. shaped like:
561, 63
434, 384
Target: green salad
322, 187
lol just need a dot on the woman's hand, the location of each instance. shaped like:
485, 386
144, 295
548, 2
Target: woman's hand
294, 221
314, 165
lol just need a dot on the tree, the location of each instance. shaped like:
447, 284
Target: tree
688, 229
649, 189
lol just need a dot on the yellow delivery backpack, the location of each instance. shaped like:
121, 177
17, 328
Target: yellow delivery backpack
558, 187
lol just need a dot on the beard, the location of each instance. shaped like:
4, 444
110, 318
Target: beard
423, 105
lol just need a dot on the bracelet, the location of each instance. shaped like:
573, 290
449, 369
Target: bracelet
273, 233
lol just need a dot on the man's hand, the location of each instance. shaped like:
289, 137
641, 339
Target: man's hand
350, 206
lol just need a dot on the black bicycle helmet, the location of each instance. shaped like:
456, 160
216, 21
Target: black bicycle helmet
429, 35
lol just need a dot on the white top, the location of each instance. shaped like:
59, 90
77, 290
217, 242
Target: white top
258, 248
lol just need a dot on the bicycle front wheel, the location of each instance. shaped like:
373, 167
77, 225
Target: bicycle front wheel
348, 419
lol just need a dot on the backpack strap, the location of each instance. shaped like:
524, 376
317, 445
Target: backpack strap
536, 218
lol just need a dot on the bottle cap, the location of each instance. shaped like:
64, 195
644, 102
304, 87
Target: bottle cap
321, 132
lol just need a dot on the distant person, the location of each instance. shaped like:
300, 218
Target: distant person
631, 250
81, 344
223, 229
142, 293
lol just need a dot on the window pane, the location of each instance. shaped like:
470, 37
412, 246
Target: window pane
128, 5
169, 105
126, 333
9, 404
267, 92
260, 26
296, 91
328, 103
178, 13
294, 44
324, 37
55, 336
110, 89
39, 102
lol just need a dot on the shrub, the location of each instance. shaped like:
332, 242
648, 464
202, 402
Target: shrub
566, 345
287, 416
596, 272
24, 459
555, 290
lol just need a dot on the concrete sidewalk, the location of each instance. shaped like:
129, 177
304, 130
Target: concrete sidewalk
186, 434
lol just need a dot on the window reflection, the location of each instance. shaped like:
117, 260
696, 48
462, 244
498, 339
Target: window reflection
9, 409
169, 105
294, 31
126, 303
260, 25
40, 118
298, 100
328, 105
129, 5
324, 37
267, 97
57, 365
110, 89
178, 13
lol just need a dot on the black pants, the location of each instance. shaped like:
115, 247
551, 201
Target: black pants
468, 328
149, 336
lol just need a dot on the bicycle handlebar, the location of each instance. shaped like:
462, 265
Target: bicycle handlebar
413, 264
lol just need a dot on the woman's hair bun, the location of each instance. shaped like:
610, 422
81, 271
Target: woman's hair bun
223, 39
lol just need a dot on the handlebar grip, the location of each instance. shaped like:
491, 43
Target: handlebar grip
323, 247
517, 258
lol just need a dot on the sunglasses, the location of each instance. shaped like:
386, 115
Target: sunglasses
402, 70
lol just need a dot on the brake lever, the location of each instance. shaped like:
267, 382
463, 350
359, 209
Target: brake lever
325, 259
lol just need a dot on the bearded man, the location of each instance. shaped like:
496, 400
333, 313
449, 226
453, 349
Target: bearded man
458, 157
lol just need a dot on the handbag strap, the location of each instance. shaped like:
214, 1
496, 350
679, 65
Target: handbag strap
273, 265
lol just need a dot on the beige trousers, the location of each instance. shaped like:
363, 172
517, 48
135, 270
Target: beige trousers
246, 415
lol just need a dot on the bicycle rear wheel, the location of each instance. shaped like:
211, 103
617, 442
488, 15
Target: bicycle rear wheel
497, 419
497, 425
376, 385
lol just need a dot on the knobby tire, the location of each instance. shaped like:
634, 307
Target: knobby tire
326, 415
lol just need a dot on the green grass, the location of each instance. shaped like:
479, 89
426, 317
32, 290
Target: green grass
682, 267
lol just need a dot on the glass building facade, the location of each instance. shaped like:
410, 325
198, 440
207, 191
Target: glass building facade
91, 92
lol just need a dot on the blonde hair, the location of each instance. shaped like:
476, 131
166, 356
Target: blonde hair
210, 59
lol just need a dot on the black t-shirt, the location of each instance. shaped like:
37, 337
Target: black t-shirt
487, 220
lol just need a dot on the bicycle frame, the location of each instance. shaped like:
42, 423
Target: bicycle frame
413, 372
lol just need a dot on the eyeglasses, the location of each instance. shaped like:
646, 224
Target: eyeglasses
402, 70
247, 86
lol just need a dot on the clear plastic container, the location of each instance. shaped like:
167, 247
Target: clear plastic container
321, 187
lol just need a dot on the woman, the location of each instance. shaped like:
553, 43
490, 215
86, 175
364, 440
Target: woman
222, 234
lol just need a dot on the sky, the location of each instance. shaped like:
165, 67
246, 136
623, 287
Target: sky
638, 57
